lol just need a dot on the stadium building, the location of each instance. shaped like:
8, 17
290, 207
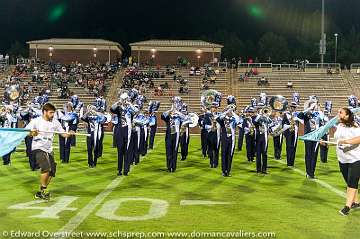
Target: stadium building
168, 52
72, 50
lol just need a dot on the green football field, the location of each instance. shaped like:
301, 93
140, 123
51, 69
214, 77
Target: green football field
194, 202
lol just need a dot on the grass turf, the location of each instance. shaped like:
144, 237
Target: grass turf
283, 202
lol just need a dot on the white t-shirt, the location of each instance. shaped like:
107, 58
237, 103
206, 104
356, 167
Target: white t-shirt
347, 154
43, 141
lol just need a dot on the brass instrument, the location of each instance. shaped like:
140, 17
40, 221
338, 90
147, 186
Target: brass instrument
91, 110
266, 111
252, 126
3, 111
231, 107
208, 97
12, 93
194, 118
278, 103
292, 123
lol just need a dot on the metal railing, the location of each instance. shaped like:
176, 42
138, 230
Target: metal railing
355, 67
285, 67
25, 61
255, 65
336, 66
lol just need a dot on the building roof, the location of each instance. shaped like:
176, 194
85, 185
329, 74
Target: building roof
77, 41
177, 43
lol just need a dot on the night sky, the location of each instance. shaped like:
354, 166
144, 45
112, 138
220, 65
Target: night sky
136, 20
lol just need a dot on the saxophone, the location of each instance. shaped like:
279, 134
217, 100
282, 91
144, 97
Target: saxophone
292, 123
252, 126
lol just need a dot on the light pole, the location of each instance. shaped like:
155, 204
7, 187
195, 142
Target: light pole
336, 44
323, 36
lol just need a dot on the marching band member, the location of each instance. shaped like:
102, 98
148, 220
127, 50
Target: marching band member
78, 107
115, 122
69, 121
277, 137
153, 108
228, 122
263, 99
241, 131
143, 127
262, 122
296, 98
100, 104
353, 101
184, 134
139, 133
204, 133
291, 125
312, 117
324, 148
9, 120
31, 112
95, 120
253, 103
249, 131
213, 128
124, 111
133, 148
173, 123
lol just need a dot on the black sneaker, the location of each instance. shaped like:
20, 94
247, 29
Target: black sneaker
355, 205
310, 177
38, 195
45, 195
345, 211
119, 173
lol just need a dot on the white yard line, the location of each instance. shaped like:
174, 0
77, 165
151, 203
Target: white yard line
322, 183
74, 222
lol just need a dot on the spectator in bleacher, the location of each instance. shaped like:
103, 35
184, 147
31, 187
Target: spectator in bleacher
263, 81
289, 85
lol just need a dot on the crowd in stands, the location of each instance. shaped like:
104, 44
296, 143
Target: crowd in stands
47, 76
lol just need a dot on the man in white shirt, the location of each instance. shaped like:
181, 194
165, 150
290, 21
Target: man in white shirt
42, 151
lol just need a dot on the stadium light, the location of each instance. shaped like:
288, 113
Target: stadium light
50, 52
95, 50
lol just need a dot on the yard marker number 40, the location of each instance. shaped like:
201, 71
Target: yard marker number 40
157, 209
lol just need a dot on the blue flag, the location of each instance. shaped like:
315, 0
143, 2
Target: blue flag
320, 132
10, 138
